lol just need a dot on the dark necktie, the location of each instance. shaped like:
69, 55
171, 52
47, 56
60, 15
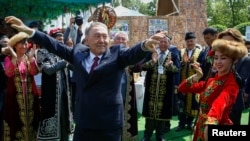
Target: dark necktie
161, 57
96, 59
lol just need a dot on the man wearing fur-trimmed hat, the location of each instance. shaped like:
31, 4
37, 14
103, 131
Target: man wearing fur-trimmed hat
188, 104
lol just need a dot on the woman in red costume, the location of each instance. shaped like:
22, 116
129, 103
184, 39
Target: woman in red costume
21, 105
217, 94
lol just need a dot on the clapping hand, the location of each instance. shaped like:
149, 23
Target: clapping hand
154, 57
31, 53
169, 62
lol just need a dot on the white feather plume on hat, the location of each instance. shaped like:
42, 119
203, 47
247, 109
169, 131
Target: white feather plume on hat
18, 37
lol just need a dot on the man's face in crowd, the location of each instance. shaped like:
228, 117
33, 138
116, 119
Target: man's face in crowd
209, 38
121, 39
59, 38
98, 40
191, 43
164, 44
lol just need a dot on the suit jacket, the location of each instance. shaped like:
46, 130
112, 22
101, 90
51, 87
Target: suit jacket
177, 76
205, 66
99, 102
242, 68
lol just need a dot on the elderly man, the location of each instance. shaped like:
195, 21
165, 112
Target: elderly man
98, 71
162, 70
130, 128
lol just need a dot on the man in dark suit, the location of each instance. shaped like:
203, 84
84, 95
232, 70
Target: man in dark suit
209, 35
99, 105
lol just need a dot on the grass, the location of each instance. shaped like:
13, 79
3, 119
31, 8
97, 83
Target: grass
184, 135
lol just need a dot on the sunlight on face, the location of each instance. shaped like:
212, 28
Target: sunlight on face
223, 64
98, 40
21, 47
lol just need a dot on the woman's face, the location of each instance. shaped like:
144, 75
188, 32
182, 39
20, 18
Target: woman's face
21, 47
222, 63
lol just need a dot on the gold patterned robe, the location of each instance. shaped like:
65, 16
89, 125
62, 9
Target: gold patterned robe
191, 100
159, 90
21, 105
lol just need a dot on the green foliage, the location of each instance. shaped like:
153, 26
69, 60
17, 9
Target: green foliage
41, 10
228, 12
152, 8
242, 27
219, 27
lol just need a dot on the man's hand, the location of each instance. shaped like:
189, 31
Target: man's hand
169, 63
31, 53
18, 24
152, 42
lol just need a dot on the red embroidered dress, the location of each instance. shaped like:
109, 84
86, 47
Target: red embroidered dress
21, 105
216, 100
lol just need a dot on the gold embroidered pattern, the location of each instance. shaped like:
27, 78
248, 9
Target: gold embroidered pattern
126, 135
186, 72
157, 92
25, 100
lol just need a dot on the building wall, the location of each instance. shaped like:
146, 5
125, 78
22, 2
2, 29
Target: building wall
192, 17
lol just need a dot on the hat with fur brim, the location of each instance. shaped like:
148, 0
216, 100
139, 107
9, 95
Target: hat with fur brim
17, 37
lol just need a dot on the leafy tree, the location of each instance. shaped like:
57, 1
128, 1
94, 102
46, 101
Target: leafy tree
151, 8
242, 27
219, 27
41, 10
228, 12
